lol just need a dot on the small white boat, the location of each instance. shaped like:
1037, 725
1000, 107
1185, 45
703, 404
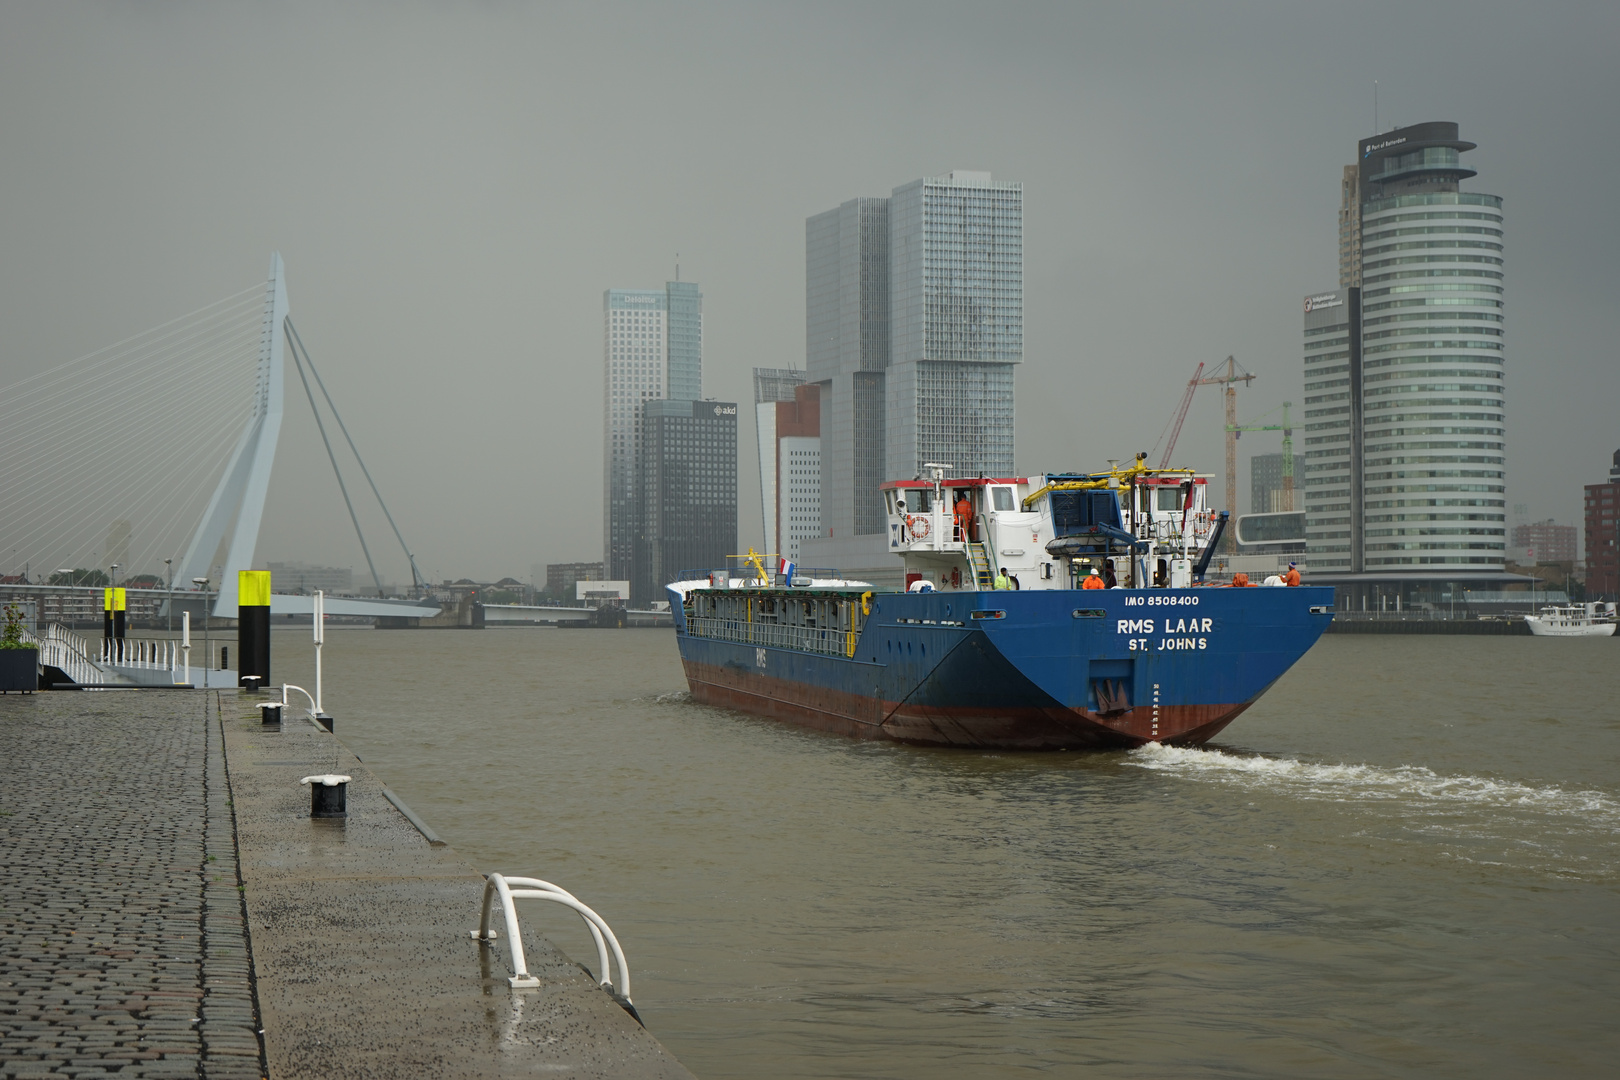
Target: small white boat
1573, 620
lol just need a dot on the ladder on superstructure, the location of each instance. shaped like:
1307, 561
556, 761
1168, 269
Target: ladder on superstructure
984, 575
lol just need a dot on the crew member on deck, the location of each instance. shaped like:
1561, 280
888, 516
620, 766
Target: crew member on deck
1109, 578
1002, 580
964, 515
1292, 577
1093, 580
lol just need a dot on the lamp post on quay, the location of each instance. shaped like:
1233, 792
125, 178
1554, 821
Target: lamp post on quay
208, 651
68, 570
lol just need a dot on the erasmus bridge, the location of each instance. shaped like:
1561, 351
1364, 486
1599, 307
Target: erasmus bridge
154, 455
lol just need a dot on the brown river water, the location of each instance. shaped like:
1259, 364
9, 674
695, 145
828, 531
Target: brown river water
1404, 861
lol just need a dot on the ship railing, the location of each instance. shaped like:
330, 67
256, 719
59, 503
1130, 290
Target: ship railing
498, 886
749, 574
826, 640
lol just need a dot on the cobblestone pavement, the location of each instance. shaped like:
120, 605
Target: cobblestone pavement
122, 942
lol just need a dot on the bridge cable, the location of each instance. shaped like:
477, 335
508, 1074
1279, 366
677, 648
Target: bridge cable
336, 471
416, 582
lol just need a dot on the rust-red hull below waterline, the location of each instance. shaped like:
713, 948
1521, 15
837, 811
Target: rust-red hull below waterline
1021, 727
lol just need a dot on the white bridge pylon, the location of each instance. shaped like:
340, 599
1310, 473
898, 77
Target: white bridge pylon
237, 506
238, 501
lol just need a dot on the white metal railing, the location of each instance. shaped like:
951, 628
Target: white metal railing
815, 639
66, 651
535, 889
143, 653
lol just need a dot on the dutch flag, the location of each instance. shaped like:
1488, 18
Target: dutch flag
784, 567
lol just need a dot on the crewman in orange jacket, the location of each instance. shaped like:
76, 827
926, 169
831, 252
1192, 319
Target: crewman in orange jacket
964, 515
1292, 577
1094, 581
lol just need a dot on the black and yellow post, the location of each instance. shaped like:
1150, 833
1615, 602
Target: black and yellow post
112, 621
253, 628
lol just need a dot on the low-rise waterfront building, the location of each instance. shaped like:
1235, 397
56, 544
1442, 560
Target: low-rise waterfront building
297, 577
1542, 541
561, 577
1603, 536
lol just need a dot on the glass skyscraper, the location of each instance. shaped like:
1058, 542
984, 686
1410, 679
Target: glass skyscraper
914, 320
652, 348
956, 317
1405, 407
687, 493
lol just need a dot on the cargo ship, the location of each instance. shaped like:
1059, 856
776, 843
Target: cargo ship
1060, 611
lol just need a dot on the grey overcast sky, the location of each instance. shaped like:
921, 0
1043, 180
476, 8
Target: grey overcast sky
453, 185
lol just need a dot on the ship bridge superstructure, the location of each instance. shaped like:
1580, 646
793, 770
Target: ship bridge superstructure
1137, 527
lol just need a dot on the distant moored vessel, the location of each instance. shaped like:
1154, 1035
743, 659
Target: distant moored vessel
1573, 620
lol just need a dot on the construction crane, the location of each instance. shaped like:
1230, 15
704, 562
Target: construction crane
1230, 381
1181, 414
1287, 429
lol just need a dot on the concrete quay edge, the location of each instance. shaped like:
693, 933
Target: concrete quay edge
360, 941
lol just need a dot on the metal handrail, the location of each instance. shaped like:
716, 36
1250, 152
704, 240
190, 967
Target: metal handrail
67, 652
535, 889
144, 653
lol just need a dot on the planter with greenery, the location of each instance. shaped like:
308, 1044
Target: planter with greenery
19, 660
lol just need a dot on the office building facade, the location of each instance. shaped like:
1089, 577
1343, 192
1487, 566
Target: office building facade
1405, 417
687, 464
1266, 484
956, 319
652, 349
914, 323
797, 427
560, 577
771, 387
847, 357
1542, 541
1603, 536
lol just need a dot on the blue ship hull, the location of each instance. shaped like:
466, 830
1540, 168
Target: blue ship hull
1032, 670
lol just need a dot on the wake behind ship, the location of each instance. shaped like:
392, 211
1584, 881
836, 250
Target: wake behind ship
1148, 653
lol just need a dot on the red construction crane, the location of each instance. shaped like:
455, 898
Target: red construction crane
1181, 414
1230, 381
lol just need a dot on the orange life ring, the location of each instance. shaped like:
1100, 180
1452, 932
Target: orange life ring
918, 525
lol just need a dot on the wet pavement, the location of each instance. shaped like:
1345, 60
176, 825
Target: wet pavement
124, 923
122, 950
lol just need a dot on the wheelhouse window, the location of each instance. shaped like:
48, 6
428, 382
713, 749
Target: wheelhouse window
1003, 498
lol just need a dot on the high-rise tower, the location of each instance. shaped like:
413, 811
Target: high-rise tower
847, 356
1405, 409
956, 323
914, 320
652, 348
